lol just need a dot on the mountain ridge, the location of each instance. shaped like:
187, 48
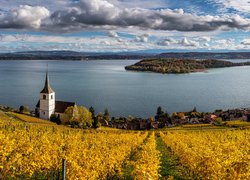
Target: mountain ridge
74, 55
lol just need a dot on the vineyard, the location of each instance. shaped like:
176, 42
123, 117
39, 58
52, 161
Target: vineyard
33, 150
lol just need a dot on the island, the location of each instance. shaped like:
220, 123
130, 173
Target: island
179, 66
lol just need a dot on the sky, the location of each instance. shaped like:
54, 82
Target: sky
125, 25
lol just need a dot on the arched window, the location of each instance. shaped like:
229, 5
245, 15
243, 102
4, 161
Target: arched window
44, 96
51, 96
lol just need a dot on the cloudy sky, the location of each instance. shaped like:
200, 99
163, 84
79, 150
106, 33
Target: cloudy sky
125, 25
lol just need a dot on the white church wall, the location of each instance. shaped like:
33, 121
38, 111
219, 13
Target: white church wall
47, 105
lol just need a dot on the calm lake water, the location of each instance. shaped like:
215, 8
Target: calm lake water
105, 83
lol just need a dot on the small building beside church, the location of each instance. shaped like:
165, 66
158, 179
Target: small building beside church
47, 104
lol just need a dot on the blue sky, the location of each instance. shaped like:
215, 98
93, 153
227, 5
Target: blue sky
125, 25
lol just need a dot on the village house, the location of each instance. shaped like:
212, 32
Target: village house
119, 125
47, 104
154, 125
104, 122
209, 118
133, 124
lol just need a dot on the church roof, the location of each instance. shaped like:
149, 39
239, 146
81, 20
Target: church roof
60, 106
47, 89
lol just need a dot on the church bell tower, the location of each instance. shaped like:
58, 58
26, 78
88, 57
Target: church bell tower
47, 100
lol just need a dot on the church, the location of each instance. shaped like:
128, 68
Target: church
47, 104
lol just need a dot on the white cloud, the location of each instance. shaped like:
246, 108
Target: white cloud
24, 17
246, 42
105, 42
225, 44
224, 41
239, 5
167, 42
52, 5
140, 3
187, 42
113, 34
142, 38
106, 15
86, 15
206, 45
180, 43
205, 38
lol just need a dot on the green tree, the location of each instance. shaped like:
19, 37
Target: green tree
194, 110
248, 117
92, 110
218, 121
159, 113
24, 109
54, 118
97, 121
106, 115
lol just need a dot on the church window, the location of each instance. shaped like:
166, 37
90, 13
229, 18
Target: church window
44, 96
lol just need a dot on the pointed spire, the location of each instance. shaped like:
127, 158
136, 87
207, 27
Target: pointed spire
47, 89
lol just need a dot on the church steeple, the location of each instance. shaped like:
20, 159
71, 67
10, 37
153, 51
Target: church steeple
46, 100
47, 89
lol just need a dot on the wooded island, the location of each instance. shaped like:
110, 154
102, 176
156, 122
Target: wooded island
180, 66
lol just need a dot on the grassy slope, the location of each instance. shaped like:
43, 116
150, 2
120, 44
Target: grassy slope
30, 119
170, 165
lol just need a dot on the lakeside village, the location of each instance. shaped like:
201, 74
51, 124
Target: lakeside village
68, 113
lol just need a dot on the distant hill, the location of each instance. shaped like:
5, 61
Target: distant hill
73, 55
68, 55
207, 55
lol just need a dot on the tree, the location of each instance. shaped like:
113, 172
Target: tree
130, 118
162, 117
92, 110
248, 117
174, 115
79, 116
73, 115
218, 121
194, 110
106, 115
150, 119
56, 119
98, 119
85, 117
24, 109
181, 115
159, 113
95, 123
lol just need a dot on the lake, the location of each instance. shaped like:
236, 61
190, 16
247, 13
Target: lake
105, 84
